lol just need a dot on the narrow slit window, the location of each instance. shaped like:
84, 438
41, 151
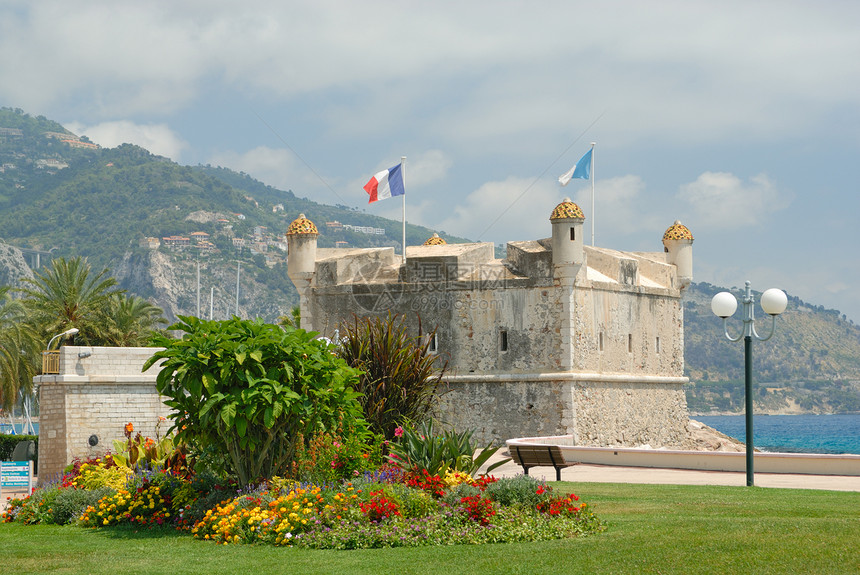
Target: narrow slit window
600, 341
658, 344
432, 343
573, 234
629, 343
503, 340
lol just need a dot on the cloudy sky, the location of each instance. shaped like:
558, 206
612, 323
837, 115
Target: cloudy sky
741, 119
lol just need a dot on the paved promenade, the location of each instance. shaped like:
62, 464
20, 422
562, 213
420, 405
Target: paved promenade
613, 474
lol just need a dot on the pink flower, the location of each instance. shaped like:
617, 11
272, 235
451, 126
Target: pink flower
398, 431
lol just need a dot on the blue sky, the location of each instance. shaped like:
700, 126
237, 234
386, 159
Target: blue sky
741, 119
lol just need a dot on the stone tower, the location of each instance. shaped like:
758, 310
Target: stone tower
301, 261
678, 243
567, 254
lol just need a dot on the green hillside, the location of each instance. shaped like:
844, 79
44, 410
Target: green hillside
812, 362
62, 194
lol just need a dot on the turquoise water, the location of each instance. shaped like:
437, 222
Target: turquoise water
793, 433
6, 428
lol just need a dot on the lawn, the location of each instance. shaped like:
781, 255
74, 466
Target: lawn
651, 529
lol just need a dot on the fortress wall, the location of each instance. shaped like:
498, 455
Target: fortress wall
597, 410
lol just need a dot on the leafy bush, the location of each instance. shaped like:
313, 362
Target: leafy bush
336, 455
398, 379
36, 508
8, 443
412, 502
71, 503
519, 490
251, 389
98, 473
455, 494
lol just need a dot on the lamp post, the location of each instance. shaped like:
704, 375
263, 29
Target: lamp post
51, 359
68, 332
724, 304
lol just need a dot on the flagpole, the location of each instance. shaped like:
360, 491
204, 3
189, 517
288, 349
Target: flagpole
403, 197
592, 192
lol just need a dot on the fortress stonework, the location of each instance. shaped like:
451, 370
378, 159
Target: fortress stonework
559, 338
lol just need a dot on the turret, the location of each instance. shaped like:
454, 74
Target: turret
678, 243
435, 240
301, 251
567, 254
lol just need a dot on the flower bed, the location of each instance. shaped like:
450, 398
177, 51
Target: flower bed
383, 509
423, 495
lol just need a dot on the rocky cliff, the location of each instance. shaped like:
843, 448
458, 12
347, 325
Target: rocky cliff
13, 266
170, 281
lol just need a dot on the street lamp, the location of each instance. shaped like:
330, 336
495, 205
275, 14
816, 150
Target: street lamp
66, 333
724, 304
51, 359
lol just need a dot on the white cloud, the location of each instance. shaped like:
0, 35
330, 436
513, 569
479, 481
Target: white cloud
693, 71
426, 168
721, 200
513, 209
157, 138
619, 209
276, 167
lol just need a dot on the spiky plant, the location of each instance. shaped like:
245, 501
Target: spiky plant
399, 378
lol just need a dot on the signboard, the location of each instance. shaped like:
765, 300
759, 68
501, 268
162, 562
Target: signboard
16, 476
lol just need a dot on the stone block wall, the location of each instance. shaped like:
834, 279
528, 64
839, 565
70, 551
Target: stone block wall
97, 392
595, 410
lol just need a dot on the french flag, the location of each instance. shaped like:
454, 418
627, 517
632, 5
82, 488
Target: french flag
386, 184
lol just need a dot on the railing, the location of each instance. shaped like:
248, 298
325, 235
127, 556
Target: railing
51, 362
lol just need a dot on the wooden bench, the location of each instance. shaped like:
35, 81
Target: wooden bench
540, 456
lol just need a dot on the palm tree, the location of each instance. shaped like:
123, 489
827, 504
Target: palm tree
69, 295
292, 320
133, 320
19, 350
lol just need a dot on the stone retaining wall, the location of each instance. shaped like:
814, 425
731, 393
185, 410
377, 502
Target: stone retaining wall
86, 406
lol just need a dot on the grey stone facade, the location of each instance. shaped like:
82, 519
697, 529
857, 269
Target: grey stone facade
557, 339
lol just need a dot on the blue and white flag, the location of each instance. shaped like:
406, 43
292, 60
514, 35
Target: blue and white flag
580, 170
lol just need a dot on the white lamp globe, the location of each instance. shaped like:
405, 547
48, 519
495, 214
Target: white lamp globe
774, 301
724, 304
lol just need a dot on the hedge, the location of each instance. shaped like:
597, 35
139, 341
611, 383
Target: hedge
8, 443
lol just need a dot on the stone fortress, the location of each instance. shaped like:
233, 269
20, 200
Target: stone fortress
559, 338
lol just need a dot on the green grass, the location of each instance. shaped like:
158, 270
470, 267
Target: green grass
656, 529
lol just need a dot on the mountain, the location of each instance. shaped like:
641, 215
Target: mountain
62, 195
810, 365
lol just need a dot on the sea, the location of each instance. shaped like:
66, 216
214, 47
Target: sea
839, 433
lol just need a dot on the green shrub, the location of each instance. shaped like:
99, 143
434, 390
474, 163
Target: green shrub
411, 502
37, 508
398, 379
455, 494
521, 489
337, 455
70, 503
8, 443
251, 389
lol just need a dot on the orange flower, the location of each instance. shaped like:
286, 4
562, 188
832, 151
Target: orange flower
129, 427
